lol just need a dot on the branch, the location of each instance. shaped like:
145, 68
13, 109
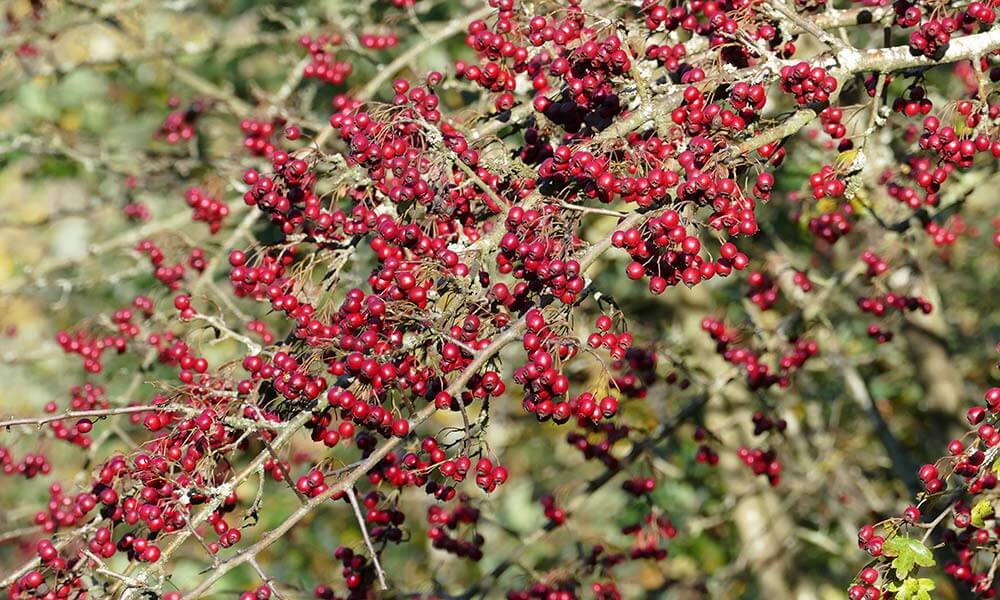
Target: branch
289, 429
638, 450
885, 60
389, 71
79, 414
368, 541
512, 334
806, 25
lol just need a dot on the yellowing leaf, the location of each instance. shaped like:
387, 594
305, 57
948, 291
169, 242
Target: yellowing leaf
827, 205
981, 511
844, 159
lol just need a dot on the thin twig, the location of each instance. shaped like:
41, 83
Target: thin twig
368, 541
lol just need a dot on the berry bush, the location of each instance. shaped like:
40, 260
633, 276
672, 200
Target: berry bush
505, 299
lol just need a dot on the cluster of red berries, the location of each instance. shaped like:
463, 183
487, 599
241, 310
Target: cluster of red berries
946, 143
90, 348
973, 113
206, 208
772, 152
762, 462
278, 469
412, 469
29, 466
831, 118
978, 12
258, 281
136, 211
759, 376
376, 41
179, 126
876, 266
85, 397
637, 370
877, 305
285, 375
555, 514
810, 85
568, 172
599, 449
443, 520
913, 102
879, 334
544, 386
705, 455
169, 275
358, 574
933, 38
967, 459
668, 56
196, 260
664, 250
833, 225
260, 328
866, 590
801, 279
947, 233
182, 302
906, 13
228, 536
588, 97
386, 520
257, 136
763, 291
530, 255
651, 534
311, 484
763, 423
617, 344
919, 172
639, 486
324, 65
261, 592
826, 183
698, 116
489, 475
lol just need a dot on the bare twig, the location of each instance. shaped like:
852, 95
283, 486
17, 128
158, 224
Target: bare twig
368, 541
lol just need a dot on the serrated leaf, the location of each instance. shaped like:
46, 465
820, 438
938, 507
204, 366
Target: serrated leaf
913, 589
908, 552
844, 159
980, 512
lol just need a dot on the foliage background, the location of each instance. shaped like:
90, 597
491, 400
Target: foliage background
77, 121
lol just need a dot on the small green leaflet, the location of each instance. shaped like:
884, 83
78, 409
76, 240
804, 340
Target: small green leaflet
913, 589
980, 512
908, 552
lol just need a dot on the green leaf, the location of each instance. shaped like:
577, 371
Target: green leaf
908, 552
980, 512
913, 589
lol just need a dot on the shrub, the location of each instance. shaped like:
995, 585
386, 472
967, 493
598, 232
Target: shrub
543, 300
